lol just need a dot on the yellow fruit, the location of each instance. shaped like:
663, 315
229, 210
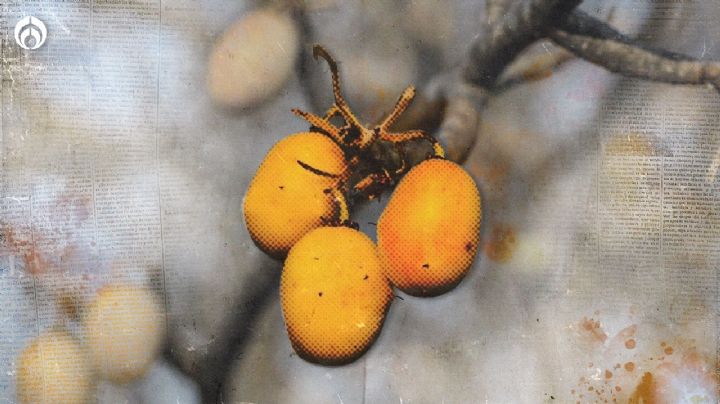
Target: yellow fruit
253, 59
125, 328
334, 295
429, 232
286, 200
53, 369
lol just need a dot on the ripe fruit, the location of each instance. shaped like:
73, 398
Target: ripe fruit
429, 232
334, 295
292, 192
53, 369
253, 59
125, 329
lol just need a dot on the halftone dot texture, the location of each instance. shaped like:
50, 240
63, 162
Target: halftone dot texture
334, 295
429, 232
125, 330
53, 369
285, 200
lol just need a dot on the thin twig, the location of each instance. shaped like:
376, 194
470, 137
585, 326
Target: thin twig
535, 67
602, 45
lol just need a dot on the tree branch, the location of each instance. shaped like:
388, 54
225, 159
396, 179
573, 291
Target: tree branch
512, 26
533, 67
521, 25
600, 44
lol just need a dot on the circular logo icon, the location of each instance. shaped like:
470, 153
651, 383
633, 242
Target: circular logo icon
30, 33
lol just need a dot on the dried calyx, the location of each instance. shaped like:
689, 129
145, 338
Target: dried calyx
376, 156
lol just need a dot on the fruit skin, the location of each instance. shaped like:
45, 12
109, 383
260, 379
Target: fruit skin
334, 295
125, 330
253, 59
284, 200
53, 368
428, 234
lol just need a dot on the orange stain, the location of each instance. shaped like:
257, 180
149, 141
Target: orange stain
668, 350
630, 344
35, 262
629, 366
502, 243
69, 303
594, 329
492, 175
631, 144
628, 332
645, 391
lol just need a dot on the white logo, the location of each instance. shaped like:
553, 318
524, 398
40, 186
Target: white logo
27, 28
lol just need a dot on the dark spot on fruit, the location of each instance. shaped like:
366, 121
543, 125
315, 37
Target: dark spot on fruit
281, 187
365, 278
327, 190
316, 258
468, 247
320, 294
426, 266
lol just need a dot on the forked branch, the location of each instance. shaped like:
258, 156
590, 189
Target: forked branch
600, 44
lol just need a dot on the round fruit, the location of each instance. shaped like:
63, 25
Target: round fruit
53, 369
429, 232
291, 193
334, 295
125, 329
253, 59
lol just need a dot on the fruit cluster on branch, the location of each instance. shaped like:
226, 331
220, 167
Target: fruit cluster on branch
336, 283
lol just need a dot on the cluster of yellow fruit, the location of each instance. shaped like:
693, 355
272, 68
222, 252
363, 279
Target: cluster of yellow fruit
336, 284
124, 333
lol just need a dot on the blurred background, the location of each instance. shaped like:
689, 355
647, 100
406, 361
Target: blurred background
130, 137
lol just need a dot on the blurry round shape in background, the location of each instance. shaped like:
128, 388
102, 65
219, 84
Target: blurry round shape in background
53, 369
125, 329
253, 59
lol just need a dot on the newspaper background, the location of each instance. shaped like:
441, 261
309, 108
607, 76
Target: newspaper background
600, 207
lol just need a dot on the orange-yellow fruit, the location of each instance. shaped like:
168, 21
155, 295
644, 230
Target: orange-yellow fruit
125, 330
53, 368
429, 232
334, 295
285, 200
